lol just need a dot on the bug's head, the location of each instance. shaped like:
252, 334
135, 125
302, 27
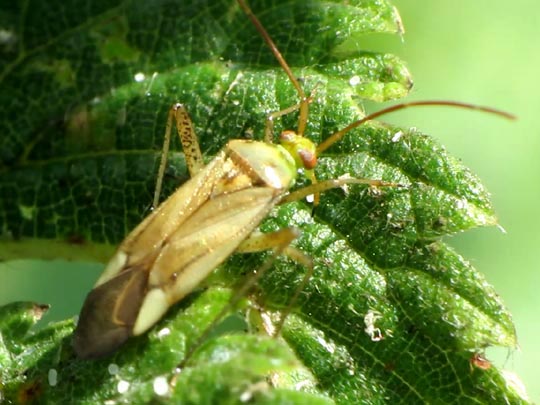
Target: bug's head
303, 150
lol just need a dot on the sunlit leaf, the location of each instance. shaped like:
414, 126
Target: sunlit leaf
391, 314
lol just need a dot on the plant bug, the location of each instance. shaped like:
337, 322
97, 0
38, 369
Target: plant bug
211, 216
479, 360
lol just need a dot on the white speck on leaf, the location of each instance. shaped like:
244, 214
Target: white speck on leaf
113, 369
164, 332
122, 386
161, 387
354, 81
52, 377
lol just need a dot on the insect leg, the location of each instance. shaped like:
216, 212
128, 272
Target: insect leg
304, 103
269, 127
259, 241
318, 188
265, 241
279, 241
190, 145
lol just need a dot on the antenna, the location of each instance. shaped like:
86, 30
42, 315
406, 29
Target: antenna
339, 134
304, 101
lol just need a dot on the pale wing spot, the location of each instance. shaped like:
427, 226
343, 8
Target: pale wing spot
273, 177
113, 268
154, 306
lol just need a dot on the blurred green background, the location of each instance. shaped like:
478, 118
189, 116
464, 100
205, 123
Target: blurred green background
488, 52
484, 52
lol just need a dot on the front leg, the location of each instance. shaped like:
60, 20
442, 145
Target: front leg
190, 146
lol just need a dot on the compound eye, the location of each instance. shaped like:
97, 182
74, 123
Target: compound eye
302, 150
308, 158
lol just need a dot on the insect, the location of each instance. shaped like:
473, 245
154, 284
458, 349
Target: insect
478, 360
211, 216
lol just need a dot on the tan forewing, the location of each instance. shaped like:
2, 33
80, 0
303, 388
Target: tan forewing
109, 313
173, 212
146, 239
173, 249
207, 238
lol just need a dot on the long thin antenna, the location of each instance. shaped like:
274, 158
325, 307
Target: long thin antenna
338, 135
304, 104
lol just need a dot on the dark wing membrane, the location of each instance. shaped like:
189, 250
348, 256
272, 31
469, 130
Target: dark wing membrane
109, 312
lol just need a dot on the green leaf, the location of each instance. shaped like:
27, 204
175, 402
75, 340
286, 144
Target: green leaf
391, 314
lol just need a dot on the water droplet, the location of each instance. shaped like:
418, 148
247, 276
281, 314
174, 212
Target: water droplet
7, 37
161, 386
52, 377
330, 348
164, 332
355, 80
113, 369
122, 386
397, 136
